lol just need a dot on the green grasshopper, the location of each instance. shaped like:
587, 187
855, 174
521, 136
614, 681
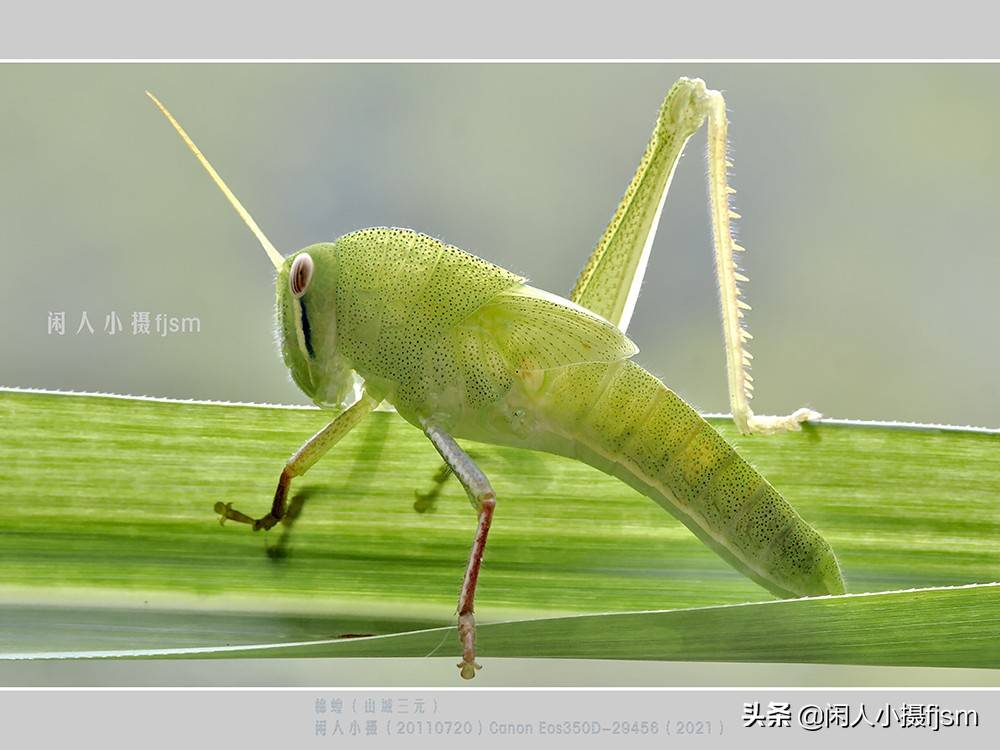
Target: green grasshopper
465, 349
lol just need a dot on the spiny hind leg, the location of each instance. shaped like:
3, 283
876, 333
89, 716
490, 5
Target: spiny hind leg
484, 500
729, 277
609, 283
303, 459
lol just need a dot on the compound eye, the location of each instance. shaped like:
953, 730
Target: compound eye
300, 274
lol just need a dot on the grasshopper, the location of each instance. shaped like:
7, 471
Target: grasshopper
462, 348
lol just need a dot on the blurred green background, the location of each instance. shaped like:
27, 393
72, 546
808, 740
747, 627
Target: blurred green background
869, 195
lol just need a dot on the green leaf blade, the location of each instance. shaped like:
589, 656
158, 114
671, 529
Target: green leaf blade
109, 502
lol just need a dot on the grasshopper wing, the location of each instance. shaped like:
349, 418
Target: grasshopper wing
536, 330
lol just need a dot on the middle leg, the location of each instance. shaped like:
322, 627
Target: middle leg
484, 501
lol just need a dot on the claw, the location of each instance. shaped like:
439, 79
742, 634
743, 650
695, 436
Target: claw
793, 422
225, 511
467, 637
468, 669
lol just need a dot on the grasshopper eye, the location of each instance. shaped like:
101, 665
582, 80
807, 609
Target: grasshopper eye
300, 274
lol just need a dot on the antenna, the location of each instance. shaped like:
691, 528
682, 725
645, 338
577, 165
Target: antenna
276, 258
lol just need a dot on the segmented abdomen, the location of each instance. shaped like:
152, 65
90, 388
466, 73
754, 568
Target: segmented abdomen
624, 421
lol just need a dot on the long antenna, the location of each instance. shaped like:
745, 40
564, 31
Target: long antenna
276, 258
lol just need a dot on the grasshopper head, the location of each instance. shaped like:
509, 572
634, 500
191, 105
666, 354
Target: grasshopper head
306, 300
307, 325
